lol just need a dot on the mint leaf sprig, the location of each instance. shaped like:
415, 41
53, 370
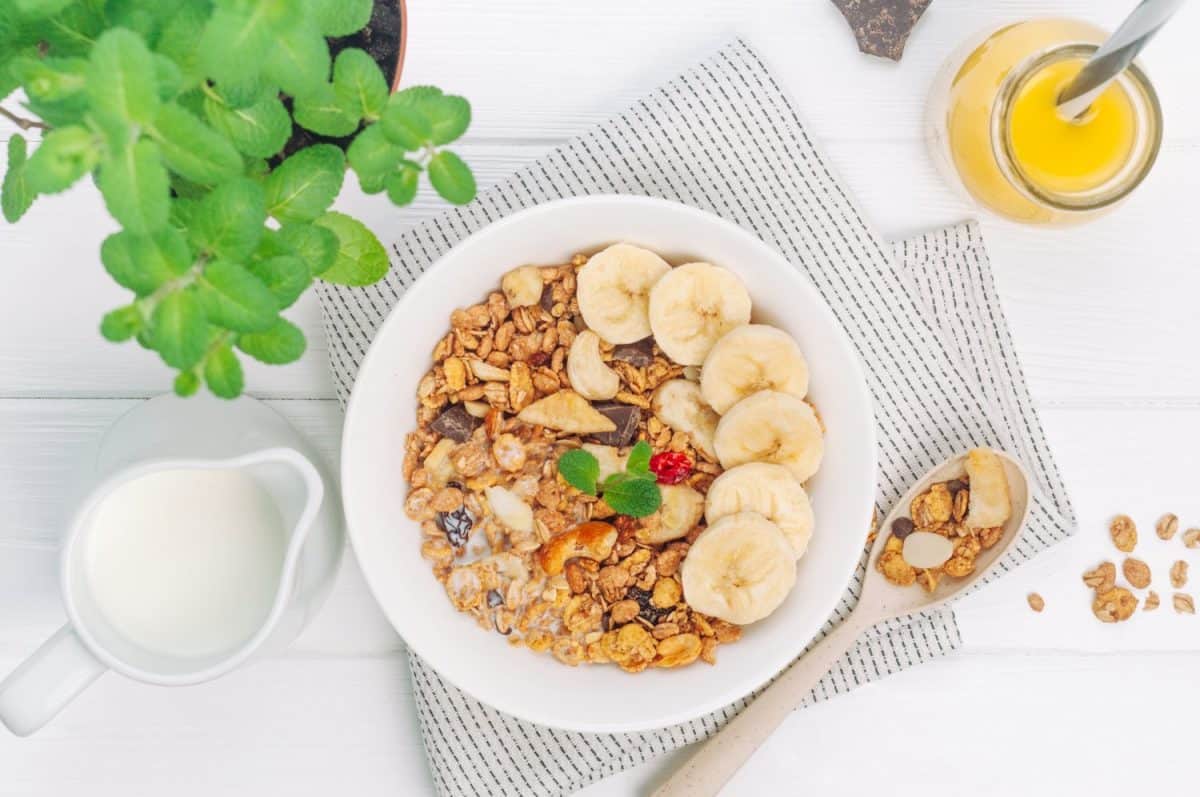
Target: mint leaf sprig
182, 114
634, 492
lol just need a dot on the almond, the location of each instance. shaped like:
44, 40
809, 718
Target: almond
566, 411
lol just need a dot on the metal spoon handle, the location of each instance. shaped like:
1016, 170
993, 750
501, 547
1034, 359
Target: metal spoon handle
1115, 55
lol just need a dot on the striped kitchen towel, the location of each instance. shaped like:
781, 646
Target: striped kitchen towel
923, 314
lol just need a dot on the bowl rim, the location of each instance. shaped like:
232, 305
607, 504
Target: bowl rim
787, 271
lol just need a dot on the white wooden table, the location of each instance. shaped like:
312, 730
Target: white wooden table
1105, 318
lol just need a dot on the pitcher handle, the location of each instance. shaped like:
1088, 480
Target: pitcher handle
45, 682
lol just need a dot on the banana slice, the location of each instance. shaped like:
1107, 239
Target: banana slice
751, 358
693, 306
771, 427
771, 491
739, 569
589, 376
682, 507
678, 404
613, 289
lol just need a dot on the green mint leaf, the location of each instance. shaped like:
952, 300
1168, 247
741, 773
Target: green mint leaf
281, 344
373, 157
259, 130
143, 264
186, 384
299, 60
133, 182
179, 39
340, 17
193, 149
357, 79
74, 29
415, 95
638, 461
234, 45
168, 76
120, 83
402, 185
305, 185
361, 259
139, 16
121, 324
405, 125
581, 469
325, 112
40, 9
51, 80
229, 221
179, 330
449, 115
65, 155
632, 495
16, 195
244, 90
451, 178
235, 299
286, 276
223, 373
316, 246
182, 211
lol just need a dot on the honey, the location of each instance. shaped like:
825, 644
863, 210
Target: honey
995, 129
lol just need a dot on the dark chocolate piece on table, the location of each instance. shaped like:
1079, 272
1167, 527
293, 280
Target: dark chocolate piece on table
882, 26
627, 418
456, 423
639, 354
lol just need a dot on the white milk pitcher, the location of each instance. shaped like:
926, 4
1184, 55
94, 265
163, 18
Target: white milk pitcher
209, 535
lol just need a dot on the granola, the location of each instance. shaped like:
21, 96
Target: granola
513, 544
938, 538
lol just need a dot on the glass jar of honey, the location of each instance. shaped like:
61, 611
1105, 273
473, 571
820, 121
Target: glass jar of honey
995, 131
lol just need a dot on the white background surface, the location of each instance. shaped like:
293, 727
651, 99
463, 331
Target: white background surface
1105, 319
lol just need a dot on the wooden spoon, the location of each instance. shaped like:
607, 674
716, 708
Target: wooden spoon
720, 757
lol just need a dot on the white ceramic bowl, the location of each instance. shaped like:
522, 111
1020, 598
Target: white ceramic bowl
536, 687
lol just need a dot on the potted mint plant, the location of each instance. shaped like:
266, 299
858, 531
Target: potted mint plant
219, 133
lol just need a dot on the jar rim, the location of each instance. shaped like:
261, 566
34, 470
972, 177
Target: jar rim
1143, 156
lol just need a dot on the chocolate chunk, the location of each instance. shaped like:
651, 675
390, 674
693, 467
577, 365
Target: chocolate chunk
901, 527
882, 26
955, 485
638, 354
456, 525
456, 423
627, 418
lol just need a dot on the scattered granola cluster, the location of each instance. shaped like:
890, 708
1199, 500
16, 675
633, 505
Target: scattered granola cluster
1114, 604
941, 510
516, 546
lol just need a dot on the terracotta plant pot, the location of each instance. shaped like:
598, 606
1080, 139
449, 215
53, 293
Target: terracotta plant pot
385, 39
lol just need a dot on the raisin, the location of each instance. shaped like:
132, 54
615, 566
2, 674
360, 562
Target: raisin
647, 610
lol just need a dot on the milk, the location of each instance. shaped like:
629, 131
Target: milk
186, 562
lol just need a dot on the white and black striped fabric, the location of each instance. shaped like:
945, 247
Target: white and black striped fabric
923, 314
